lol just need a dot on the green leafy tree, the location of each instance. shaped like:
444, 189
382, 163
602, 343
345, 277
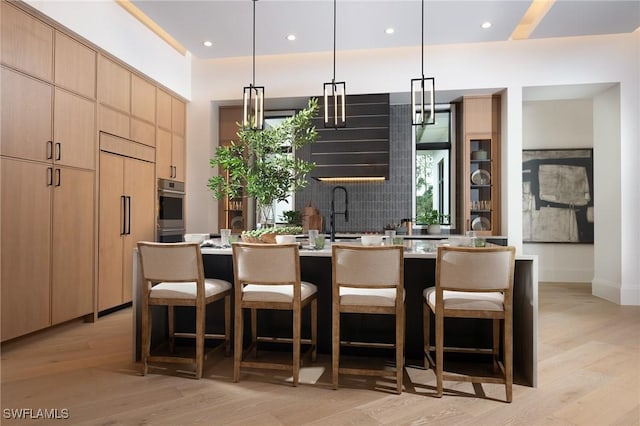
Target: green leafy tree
258, 163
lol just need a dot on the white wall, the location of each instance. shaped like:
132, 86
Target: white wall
109, 26
510, 65
552, 125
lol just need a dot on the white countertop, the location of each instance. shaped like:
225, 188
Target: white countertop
421, 249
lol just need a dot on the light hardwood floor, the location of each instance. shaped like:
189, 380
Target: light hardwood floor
589, 374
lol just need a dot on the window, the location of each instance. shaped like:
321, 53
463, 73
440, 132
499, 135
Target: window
434, 168
273, 119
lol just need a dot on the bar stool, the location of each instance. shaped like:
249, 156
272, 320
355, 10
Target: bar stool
368, 280
267, 276
472, 283
173, 275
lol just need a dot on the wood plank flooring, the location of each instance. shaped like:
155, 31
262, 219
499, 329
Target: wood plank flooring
589, 374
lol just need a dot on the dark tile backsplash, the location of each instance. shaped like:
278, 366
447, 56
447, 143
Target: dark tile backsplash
371, 204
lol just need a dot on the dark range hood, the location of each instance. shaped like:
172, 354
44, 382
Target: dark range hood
359, 151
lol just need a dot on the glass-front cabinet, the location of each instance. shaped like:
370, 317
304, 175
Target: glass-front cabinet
482, 185
480, 160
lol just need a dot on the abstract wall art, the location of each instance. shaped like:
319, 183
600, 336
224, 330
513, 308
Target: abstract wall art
557, 196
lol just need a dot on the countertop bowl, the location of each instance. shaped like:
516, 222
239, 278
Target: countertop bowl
285, 239
371, 240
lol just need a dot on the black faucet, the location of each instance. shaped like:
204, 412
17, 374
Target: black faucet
345, 212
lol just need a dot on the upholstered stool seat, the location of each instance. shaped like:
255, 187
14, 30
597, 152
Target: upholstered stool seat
173, 275
368, 280
267, 276
474, 283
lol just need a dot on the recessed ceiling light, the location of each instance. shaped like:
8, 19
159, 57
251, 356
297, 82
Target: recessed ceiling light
486, 25
291, 37
389, 31
207, 43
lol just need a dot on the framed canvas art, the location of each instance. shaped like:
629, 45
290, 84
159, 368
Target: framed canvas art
557, 196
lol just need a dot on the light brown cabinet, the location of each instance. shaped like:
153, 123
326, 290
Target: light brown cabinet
481, 164
127, 215
26, 43
48, 178
26, 247
47, 245
27, 115
170, 147
32, 109
75, 66
114, 85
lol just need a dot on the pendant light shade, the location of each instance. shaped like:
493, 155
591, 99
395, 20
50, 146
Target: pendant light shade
335, 93
253, 96
423, 93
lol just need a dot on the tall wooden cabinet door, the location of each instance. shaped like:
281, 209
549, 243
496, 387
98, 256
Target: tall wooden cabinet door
114, 85
177, 157
73, 237
143, 99
164, 165
26, 43
139, 185
26, 116
74, 130
26, 247
177, 116
75, 66
163, 109
110, 230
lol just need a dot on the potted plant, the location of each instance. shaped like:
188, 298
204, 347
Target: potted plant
258, 165
292, 217
433, 219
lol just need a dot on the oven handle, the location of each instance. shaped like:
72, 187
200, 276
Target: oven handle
170, 191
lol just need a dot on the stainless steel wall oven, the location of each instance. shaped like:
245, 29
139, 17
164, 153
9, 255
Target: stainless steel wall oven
170, 211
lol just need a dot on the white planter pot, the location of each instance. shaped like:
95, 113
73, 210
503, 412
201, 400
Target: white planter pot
433, 229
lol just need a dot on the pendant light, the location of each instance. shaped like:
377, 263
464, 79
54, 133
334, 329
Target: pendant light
423, 90
253, 96
334, 92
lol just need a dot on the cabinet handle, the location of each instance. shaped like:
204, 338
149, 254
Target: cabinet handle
128, 215
58, 180
58, 151
123, 202
49, 150
49, 176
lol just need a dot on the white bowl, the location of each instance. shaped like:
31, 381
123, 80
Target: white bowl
285, 239
371, 240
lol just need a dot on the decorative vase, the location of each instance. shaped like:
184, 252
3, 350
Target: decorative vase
265, 215
433, 229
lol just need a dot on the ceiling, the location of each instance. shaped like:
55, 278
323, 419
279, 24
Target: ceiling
361, 24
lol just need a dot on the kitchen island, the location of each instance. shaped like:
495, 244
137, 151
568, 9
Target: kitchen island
419, 273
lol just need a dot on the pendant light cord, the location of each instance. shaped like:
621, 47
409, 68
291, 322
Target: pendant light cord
422, 39
254, 42
334, 41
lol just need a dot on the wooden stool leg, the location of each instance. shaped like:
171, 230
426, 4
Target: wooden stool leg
296, 344
508, 355
254, 331
237, 341
439, 353
227, 325
496, 343
200, 320
335, 344
146, 336
171, 322
314, 329
399, 350
426, 333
